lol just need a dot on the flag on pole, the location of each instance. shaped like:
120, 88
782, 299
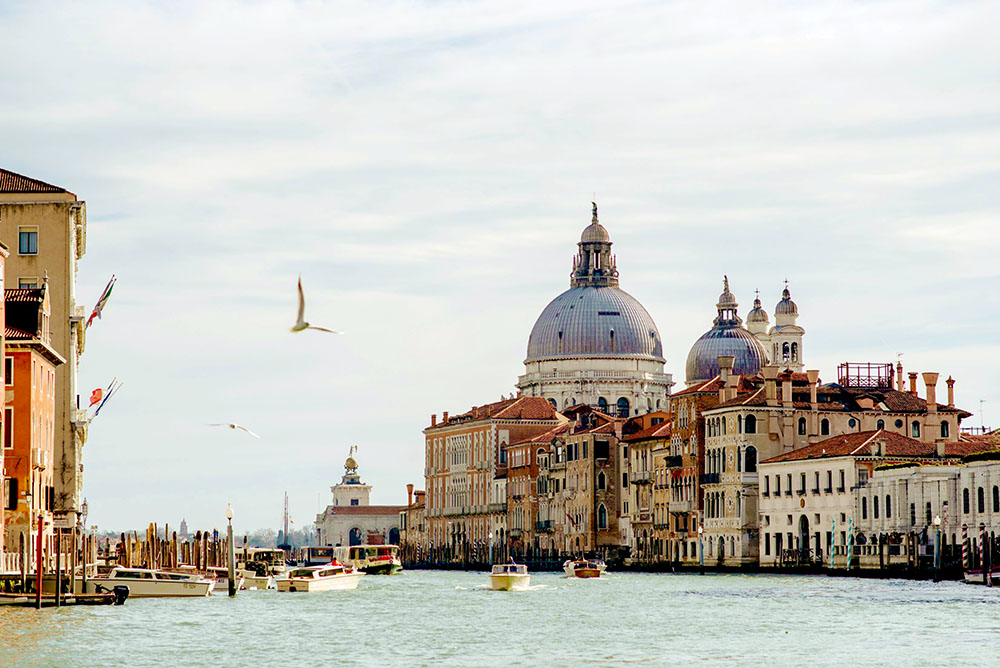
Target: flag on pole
110, 392
103, 301
96, 396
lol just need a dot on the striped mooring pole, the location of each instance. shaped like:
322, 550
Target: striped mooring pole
965, 546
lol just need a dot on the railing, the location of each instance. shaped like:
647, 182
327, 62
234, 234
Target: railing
641, 476
496, 507
680, 506
10, 563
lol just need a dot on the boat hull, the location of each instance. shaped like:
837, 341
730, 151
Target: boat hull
976, 577
223, 585
383, 568
339, 582
154, 588
510, 582
258, 582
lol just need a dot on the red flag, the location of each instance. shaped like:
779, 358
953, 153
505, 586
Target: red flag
96, 396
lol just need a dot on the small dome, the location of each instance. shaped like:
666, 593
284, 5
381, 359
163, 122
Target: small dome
786, 306
703, 360
727, 299
350, 463
757, 313
595, 233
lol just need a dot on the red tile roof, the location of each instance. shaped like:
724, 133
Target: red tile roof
14, 333
544, 437
662, 430
518, 408
22, 294
12, 182
859, 444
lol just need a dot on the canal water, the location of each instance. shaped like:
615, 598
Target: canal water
434, 618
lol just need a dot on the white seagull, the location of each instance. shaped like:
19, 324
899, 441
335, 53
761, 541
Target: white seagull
233, 425
301, 323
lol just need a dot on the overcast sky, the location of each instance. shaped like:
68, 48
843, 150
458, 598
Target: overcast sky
428, 168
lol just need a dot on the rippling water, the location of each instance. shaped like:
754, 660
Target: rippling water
429, 618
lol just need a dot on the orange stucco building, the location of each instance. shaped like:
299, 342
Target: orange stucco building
29, 419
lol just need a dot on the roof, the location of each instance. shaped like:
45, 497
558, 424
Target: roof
859, 445
834, 397
544, 437
12, 182
519, 408
661, 430
21, 295
364, 510
15, 333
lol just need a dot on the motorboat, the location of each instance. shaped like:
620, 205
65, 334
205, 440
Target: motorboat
371, 559
221, 576
328, 577
583, 568
151, 583
510, 577
252, 580
976, 577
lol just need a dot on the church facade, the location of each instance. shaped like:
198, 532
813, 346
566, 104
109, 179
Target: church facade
351, 519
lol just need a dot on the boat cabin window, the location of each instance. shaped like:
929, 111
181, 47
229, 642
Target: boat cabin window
172, 576
134, 575
302, 573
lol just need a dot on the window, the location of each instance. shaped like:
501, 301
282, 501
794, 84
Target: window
915, 429
10, 493
767, 485
840, 489
824, 427
899, 424
624, 479
27, 240
880, 424
602, 404
602, 517
802, 426
913, 514
965, 500
767, 544
875, 507
981, 501
929, 512
888, 507
750, 424
788, 479
751, 460
852, 422
944, 429
354, 502
8, 370
623, 407
829, 482
996, 499
777, 485
802, 483
864, 507
8, 427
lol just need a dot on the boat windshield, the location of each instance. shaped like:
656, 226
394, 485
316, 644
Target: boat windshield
301, 573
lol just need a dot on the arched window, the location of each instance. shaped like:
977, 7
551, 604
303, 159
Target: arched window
602, 404
750, 424
723, 421
751, 459
739, 460
944, 429
623, 407
602, 517
795, 352
888, 507
965, 500
875, 507
824, 427
739, 424
785, 351
880, 424
915, 429
981, 500
864, 507
802, 426
996, 499
554, 404
602, 481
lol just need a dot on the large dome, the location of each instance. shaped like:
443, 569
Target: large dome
594, 321
703, 360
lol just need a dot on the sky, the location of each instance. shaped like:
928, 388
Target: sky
427, 168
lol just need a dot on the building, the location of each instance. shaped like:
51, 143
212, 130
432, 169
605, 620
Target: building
351, 519
412, 534
523, 526
45, 226
783, 342
809, 497
646, 437
595, 343
466, 473
788, 411
29, 418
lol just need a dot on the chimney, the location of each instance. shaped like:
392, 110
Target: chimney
409, 494
786, 390
813, 385
444, 417
940, 449
770, 387
726, 363
899, 376
434, 419
878, 448
951, 392
913, 382
930, 382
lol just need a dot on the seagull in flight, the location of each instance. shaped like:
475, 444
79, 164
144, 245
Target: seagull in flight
301, 323
233, 425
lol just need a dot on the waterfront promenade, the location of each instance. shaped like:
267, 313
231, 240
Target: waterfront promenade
428, 618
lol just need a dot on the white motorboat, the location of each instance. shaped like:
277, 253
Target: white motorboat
332, 576
221, 576
372, 559
150, 583
510, 577
253, 581
583, 568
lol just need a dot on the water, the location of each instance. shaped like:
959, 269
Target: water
431, 618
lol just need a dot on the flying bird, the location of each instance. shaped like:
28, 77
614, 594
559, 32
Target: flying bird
301, 323
233, 425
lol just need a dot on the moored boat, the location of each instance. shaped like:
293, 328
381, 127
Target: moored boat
150, 583
583, 568
221, 576
976, 577
510, 577
332, 576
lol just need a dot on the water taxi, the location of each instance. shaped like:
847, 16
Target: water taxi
272, 559
221, 576
510, 577
371, 559
332, 576
583, 568
150, 583
255, 580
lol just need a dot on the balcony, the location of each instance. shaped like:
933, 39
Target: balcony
496, 507
515, 533
680, 506
710, 479
545, 526
640, 477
